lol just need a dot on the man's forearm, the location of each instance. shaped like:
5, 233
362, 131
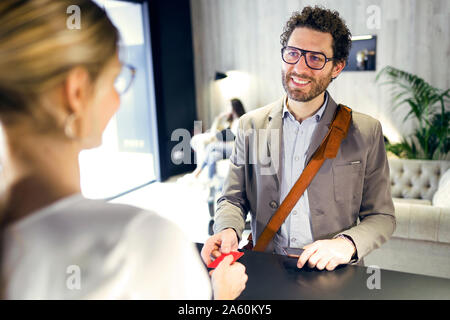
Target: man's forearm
227, 216
371, 233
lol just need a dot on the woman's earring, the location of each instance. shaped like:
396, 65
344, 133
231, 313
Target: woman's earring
69, 126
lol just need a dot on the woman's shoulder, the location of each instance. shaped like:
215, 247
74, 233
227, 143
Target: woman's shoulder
103, 240
123, 216
80, 216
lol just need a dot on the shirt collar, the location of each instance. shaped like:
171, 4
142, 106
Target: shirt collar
318, 115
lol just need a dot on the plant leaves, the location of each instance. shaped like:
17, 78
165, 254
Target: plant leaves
428, 105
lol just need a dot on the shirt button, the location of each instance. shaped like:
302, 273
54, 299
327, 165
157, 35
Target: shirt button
293, 239
273, 204
297, 158
294, 212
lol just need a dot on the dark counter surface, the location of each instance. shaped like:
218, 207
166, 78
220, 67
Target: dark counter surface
276, 277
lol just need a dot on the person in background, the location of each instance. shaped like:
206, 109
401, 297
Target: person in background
218, 142
58, 90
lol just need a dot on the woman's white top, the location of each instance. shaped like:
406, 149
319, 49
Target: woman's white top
78, 248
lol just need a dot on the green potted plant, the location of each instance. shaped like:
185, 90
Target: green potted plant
429, 106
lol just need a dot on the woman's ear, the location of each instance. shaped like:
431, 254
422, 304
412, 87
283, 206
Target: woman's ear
76, 90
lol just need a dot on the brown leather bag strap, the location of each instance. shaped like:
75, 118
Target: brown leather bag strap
328, 149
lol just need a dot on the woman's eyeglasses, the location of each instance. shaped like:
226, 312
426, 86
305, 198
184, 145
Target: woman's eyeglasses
314, 60
125, 78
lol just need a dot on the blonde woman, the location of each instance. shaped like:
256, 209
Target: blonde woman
58, 90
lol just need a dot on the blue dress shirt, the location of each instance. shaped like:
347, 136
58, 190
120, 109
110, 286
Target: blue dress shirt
296, 229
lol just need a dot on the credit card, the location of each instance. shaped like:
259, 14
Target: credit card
236, 255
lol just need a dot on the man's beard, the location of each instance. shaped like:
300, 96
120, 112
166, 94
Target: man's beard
317, 86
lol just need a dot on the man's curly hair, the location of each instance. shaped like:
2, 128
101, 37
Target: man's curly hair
324, 20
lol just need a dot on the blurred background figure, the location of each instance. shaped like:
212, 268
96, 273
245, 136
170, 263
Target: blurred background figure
217, 143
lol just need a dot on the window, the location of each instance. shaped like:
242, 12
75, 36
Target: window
128, 156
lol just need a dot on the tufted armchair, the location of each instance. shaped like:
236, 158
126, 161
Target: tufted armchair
421, 241
416, 179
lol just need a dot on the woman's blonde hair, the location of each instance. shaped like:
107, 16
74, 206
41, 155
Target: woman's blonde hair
38, 49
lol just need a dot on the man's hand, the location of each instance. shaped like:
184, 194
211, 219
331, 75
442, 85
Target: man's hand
222, 242
326, 254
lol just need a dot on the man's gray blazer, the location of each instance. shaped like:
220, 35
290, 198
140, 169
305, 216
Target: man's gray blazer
349, 195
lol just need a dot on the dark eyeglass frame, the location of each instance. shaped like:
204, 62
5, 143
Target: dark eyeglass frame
133, 76
303, 53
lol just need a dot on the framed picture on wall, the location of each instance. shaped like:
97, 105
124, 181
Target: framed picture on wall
363, 54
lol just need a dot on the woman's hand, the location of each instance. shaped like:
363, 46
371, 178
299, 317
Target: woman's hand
228, 280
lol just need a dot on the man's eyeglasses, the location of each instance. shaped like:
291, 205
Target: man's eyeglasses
314, 60
125, 78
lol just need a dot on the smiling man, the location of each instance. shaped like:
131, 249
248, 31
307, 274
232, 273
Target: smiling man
347, 209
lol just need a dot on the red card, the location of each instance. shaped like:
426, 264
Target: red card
236, 255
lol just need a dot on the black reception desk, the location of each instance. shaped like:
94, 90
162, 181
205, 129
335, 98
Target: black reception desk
275, 277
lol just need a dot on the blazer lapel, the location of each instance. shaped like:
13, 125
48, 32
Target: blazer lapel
275, 130
322, 128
